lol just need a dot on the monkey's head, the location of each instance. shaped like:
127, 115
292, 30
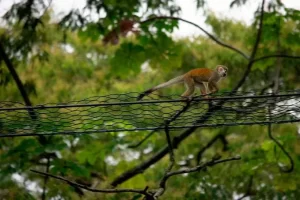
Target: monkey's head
222, 70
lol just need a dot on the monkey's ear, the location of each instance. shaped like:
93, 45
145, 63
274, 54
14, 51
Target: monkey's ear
219, 68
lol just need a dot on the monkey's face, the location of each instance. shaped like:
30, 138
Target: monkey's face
222, 70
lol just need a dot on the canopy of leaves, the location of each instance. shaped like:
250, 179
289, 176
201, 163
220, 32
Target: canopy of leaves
66, 60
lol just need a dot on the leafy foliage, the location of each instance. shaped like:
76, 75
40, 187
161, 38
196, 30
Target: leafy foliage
59, 65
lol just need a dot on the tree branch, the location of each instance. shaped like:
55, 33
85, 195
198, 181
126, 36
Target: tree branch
199, 27
155, 195
74, 184
46, 179
255, 47
135, 145
275, 56
171, 153
160, 154
18, 81
140, 168
173, 118
209, 144
278, 63
291, 168
161, 190
248, 191
198, 168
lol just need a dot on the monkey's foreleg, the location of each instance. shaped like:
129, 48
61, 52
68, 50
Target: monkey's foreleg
213, 88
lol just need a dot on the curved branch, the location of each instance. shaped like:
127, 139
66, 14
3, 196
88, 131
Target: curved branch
72, 183
291, 168
275, 56
210, 143
199, 167
159, 155
190, 170
199, 27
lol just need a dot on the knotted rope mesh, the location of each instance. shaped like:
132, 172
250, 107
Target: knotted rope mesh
121, 112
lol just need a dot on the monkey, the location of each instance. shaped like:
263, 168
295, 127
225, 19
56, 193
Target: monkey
194, 78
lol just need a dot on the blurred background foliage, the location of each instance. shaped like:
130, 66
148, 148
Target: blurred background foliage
109, 48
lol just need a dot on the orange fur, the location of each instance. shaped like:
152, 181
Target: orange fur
194, 78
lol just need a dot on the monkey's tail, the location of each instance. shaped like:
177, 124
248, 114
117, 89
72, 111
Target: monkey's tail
178, 79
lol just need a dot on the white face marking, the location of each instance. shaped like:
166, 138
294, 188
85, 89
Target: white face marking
222, 71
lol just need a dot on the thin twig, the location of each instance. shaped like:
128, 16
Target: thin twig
259, 31
275, 91
202, 29
248, 191
198, 168
209, 144
46, 8
171, 153
254, 50
72, 183
278, 63
291, 168
275, 56
162, 188
135, 145
46, 179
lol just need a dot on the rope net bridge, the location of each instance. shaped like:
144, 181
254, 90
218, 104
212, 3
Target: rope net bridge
121, 112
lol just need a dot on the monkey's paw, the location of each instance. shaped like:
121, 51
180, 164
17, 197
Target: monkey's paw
184, 98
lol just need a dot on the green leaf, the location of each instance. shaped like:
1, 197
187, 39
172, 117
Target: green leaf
284, 184
90, 155
128, 60
26, 145
136, 197
63, 167
55, 144
91, 31
267, 145
78, 169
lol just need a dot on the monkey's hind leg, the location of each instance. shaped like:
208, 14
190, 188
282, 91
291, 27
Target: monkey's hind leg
202, 88
190, 88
